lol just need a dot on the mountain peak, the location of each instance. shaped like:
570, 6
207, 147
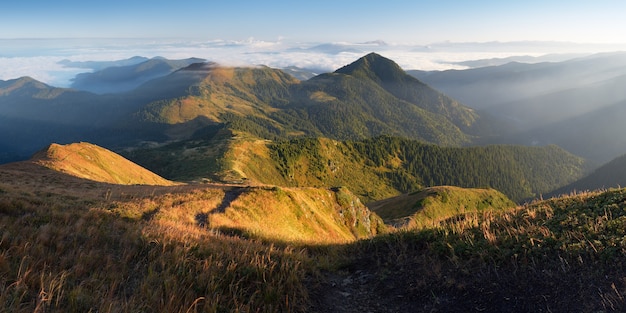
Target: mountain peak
9, 86
375, 67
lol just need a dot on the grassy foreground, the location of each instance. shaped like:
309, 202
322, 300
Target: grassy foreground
70, 245
566, 254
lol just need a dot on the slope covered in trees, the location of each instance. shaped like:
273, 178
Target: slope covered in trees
374, 169
407, 165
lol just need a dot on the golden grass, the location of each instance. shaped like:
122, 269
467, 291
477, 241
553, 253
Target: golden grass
248, 157
432, 205
141, 251
68, 244
88, 161
72, 245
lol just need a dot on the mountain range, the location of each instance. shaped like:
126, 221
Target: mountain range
124, 77
571, 103
356, 102
191, 100
213, 188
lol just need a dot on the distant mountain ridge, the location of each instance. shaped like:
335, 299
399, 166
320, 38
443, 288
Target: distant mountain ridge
572, 104
265, 102
609, 175
123, 78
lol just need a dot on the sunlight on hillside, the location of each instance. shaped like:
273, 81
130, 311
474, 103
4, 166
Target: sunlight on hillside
91, 162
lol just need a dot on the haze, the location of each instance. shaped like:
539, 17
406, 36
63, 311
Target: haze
322, 35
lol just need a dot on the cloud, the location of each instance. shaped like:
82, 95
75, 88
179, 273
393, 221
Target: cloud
41, 60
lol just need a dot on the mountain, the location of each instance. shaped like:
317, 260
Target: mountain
595, 135
388, 75
487, 87
115, 79
100, 65
521, 59
302, 73
341, 105
554, 107
572, 104
374, 169
432, 205
88, 161
370, 97
28, 99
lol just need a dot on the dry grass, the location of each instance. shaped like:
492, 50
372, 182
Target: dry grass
139, 253
428, 207
88, 161
566, 254
73, 245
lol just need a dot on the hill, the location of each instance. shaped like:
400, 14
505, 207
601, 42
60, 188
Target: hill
374, 169
172, 248
432, 205
88, 161
560, 255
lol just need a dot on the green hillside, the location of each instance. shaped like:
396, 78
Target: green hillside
73, 245
561, 255
432, 205
342, 105
396, 81
406, 165
374, 169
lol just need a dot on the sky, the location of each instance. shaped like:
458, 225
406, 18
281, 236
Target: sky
408, 21
36, 34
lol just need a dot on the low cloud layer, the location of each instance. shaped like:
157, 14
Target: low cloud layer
41, 59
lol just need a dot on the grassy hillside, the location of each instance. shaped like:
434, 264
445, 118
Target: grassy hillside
559, 255
428, 207
374, 169
70, 244
88, 161
387, 74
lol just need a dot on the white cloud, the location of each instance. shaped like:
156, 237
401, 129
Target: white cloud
42, 63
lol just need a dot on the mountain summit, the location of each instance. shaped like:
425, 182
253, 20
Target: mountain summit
391, 77
377, 68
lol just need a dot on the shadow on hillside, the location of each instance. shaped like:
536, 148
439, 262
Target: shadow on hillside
229, 196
